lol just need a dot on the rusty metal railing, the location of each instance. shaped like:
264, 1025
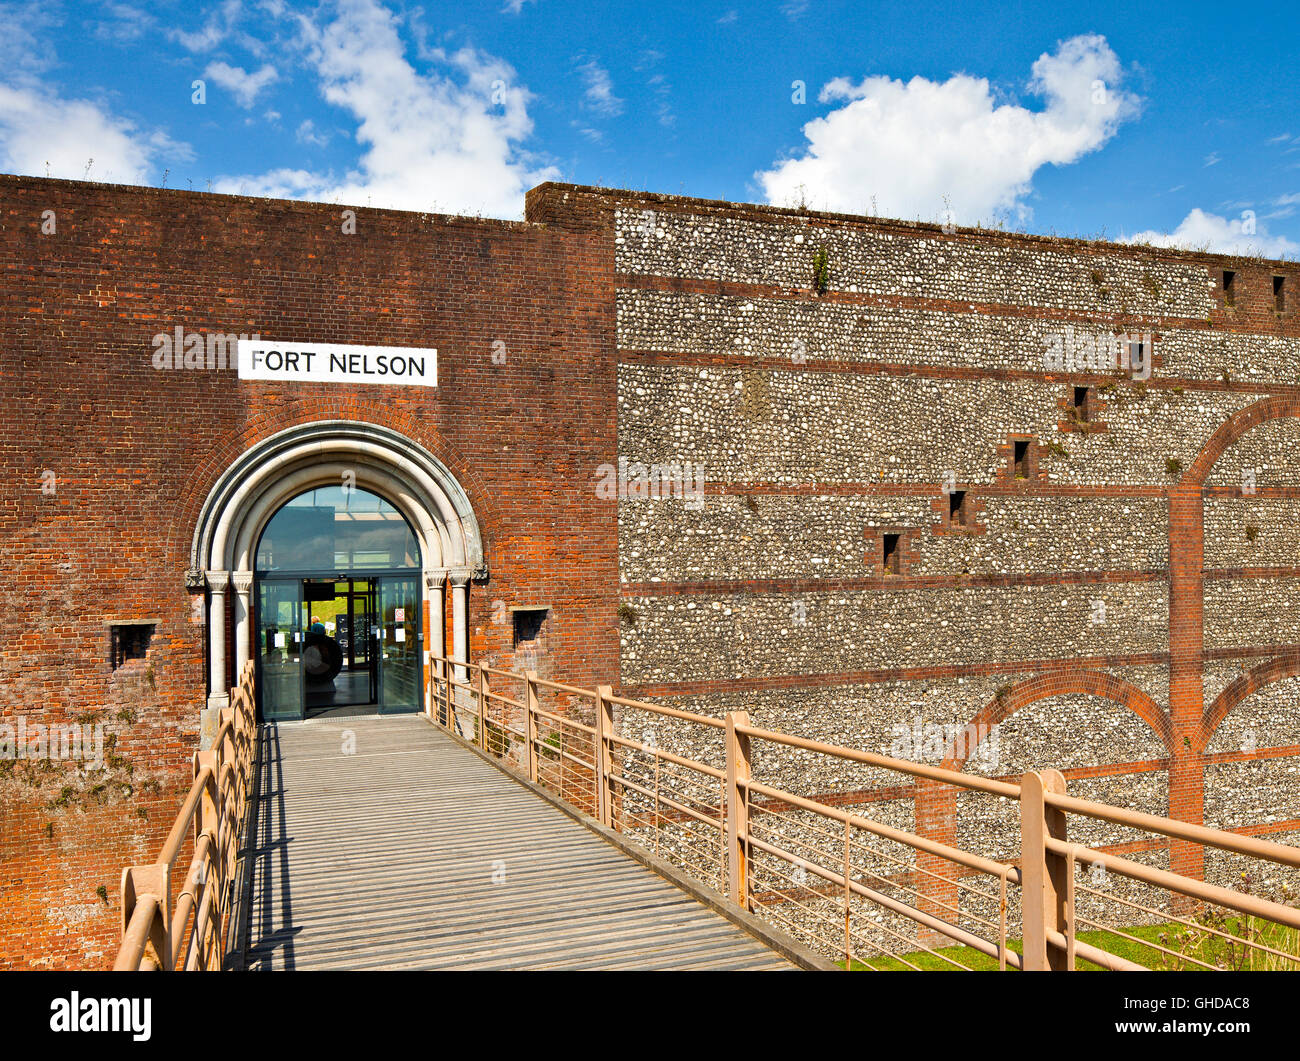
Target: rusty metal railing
195, 932
889, 887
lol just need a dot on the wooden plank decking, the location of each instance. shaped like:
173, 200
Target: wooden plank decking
414, 853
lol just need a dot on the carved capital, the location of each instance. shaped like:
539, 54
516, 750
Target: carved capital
218, 580
243, 582
460, 577
435, 580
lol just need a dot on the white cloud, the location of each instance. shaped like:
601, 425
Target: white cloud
917, 146
600, 98
1210, 232
214, 30
125, 23
447, 140
307, 134
43, 132
245, 87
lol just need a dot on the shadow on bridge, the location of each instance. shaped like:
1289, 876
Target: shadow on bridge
382, 843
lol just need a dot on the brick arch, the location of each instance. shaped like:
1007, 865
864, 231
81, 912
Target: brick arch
1063, 683
228, 448
1276, 669
1233, 430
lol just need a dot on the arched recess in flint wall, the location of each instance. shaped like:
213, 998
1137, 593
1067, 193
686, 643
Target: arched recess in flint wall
1093, 683
1273, 670
269, 473
1233, 430
1185, 561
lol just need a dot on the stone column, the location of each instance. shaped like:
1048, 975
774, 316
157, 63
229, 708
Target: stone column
434, 581
243, 581
460, 620
218, 693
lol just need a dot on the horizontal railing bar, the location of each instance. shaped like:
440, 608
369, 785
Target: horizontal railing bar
1201, 834
671, 712
703, 768
960, 935
180, 828
564, 720
561, 687
136, 936
668, 800
1177, 883
1166, 916
1096, 955
902, 766
933, 847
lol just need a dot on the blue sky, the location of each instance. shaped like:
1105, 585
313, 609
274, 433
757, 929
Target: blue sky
1107, 119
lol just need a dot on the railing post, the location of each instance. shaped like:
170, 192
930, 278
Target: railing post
205, 815
738, 772
156, 881
482, 704
604, 727
449, 712
1044, 884
530, 723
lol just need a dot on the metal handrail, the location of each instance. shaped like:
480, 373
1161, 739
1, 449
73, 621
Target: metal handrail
155, 933
661, 800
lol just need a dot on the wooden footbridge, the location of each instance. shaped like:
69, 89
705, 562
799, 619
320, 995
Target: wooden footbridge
521, 823
385, 843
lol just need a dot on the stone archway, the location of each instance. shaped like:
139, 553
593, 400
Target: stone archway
268, 474
1187, 711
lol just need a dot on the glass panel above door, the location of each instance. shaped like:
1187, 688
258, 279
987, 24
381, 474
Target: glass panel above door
333, 530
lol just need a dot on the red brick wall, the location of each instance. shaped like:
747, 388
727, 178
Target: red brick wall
135, 451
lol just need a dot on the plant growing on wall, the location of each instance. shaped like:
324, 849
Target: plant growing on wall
821, 270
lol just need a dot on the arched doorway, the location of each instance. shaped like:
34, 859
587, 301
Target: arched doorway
338, 607
261, 483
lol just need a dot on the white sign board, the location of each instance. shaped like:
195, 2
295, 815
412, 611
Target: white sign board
290, 362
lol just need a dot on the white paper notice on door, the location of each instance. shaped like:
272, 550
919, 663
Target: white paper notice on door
399, 634
279, 640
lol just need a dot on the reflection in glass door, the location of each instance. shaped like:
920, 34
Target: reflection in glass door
400, 634
279, 647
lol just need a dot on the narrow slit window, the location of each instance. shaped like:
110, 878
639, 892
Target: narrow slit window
1080, 402
1229, 288
1279, 293
891, 558
957, 508
528, 626
128, 641
1020, 459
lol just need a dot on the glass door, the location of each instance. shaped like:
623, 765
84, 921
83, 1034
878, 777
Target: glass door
400, 632
279, 628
